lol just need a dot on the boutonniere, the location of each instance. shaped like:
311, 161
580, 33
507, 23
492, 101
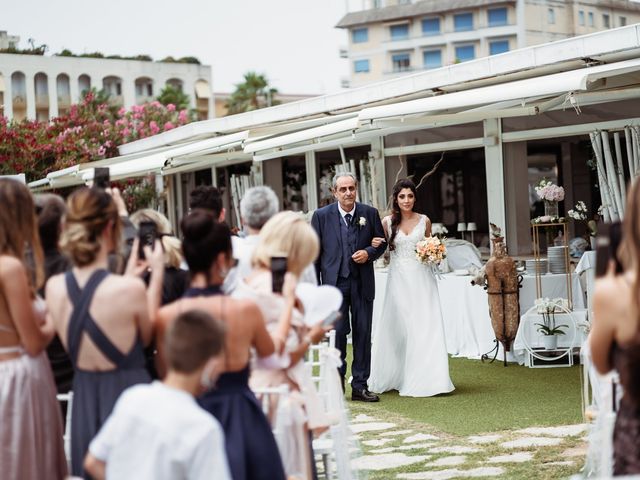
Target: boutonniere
362, 222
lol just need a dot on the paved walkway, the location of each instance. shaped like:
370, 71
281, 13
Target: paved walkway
394, 447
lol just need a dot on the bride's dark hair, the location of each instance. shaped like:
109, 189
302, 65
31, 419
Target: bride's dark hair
396, 217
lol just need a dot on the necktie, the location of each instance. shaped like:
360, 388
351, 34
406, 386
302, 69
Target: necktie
348, 218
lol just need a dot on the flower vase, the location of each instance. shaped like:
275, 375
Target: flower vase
550, 208
550, 342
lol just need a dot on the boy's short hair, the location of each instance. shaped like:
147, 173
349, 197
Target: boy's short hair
206, 197
192, 339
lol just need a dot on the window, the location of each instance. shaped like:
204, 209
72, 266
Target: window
361, 66
377, 4
360, 35
498, 46
606, 22
551, 16
623, 21
404, 2
590, 17
431, 26
399, 32
432, 58
401, 62
463, 22
497, 16
581, 18
465, 53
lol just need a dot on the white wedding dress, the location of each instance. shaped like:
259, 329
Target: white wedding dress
409, 352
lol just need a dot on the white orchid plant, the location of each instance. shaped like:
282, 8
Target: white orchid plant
579, 213
547, 308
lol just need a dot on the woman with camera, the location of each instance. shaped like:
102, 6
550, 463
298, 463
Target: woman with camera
103, 320
251, 448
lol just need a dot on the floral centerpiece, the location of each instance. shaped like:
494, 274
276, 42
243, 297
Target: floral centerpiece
579, 213
439, 230
551, 194
431, 251
548, 328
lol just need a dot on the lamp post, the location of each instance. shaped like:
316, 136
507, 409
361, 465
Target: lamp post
462, 227
471, 227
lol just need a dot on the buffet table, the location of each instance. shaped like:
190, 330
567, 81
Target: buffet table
465, 308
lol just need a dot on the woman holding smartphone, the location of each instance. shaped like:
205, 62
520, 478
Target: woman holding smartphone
103, 320
288, 244
615, 333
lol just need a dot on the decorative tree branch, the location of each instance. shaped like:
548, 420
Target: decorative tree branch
431, 172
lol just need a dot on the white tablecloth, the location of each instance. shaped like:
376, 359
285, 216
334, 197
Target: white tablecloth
465, 309
528, 329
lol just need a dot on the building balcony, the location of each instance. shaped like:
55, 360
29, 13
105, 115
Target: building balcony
344, 52
445, 37
142, 99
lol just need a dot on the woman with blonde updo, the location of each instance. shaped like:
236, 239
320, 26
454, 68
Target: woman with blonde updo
103, 320
288, 234
30, 422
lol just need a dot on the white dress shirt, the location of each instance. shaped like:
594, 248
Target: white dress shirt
343, 213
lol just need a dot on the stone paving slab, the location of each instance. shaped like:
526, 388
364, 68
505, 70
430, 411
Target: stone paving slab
518, 457
378, 442
527, 442
561, 431
386, 461
420, 437
371, 427
482, 439
453, 473
395, 433
451, 461
454, 449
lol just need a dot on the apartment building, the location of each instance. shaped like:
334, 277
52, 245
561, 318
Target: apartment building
42, 87
387, 38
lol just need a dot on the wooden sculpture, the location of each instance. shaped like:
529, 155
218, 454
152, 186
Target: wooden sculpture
502, 284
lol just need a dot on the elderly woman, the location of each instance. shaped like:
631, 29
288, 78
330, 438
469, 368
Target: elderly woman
288, 234
257, 206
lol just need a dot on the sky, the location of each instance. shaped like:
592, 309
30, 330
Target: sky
293, 42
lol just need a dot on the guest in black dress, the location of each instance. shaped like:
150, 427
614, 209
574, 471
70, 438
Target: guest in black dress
615, 333
102, 319
251, 448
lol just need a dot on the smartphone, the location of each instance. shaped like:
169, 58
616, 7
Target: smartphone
331, 319
147, 233
101, 177
278, 269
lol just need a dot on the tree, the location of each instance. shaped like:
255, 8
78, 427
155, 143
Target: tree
252, 94
175, 96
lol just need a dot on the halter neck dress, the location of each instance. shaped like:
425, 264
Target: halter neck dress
95, 392
252, 451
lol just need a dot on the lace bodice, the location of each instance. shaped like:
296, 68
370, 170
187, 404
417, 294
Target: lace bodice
405, 245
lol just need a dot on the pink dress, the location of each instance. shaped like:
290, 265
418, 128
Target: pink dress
31, 435
305, 408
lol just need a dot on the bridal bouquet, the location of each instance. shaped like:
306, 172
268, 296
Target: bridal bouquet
431, 251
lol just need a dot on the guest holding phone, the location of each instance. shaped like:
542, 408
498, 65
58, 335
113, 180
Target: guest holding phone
615, 333
103, 320
287, 236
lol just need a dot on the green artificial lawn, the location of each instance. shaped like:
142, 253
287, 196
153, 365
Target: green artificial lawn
491, 397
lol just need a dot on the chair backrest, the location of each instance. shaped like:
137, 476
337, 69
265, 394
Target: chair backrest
68, 399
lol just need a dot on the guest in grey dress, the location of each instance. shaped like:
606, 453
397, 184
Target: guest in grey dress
104, 320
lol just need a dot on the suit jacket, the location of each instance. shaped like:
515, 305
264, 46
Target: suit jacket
326, 222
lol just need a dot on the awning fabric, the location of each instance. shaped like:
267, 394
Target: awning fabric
545, 86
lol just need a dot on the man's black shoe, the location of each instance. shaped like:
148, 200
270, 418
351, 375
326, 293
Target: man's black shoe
364, 395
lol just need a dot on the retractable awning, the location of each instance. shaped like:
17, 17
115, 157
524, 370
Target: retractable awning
585, 79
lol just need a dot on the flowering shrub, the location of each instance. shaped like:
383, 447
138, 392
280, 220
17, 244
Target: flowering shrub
90, 131
431, 251
547, 190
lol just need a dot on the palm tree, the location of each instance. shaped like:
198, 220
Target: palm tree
171, 94
252, 94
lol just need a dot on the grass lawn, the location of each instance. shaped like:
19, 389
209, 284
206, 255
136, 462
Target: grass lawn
490, 397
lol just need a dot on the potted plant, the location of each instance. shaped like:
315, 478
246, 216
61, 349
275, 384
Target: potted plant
548, 328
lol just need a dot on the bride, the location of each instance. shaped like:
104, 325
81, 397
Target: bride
409, 351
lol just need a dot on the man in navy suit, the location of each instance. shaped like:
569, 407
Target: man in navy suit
346, 258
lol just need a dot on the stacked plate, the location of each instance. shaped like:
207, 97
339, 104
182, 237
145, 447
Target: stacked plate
534, 267
556, 257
